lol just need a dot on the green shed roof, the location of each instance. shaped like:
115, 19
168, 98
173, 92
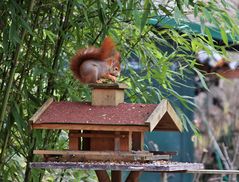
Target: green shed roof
167, 22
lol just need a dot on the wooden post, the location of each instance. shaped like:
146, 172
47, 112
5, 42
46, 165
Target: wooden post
117, 141
107, 94
138, 141
86, 142
130, 140
115, 176
163, 177
74, 142
133, 176
102, 176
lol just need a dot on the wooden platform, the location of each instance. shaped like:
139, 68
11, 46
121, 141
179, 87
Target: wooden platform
83, 156
159, 166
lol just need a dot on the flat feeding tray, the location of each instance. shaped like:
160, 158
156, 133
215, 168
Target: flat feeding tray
161, 166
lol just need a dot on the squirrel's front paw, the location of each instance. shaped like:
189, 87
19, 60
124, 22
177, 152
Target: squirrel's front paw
114, 79
99, 81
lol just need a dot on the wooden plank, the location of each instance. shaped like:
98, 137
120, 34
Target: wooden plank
41, 110
102, 176
157, 166
113, 158
107, 97
124, 141
106, 86
117, 141
133, 176
76, 152
164, 118
142, 141
213, 171
163, 153
74, 142
74, 156
158, 157
69, 126
100, 158
102, 144
157, 114
138, 141
145, 154
116, 176
130, 144
174, 117
96, 135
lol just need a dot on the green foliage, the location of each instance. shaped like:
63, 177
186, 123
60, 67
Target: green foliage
37, 39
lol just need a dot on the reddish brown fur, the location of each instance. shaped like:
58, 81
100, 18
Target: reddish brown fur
105, 53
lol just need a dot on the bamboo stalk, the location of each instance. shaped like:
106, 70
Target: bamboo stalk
61, 33
12, 71
8, 89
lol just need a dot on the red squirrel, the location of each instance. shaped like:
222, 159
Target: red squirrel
91, 65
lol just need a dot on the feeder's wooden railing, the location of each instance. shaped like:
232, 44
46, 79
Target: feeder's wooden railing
75, 156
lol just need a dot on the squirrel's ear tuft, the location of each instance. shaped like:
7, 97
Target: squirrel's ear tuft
117, 56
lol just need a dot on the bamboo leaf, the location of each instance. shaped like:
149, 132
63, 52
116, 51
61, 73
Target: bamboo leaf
224, 35
201, 77
165, 10
25, 25
209, 36
147, 6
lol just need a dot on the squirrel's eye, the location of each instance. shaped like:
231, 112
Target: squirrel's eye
116, 69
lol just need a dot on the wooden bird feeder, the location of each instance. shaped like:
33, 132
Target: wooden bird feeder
107, 129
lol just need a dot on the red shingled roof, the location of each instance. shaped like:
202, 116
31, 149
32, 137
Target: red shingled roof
85, 113
83, 116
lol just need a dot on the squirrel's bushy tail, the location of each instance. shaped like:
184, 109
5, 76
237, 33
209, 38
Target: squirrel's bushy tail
106, 50
81, 56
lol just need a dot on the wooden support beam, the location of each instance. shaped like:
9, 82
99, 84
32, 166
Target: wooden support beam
163, 177
86, 142
213, 171
116, 176
70, 126
41, 110
133, 176
117, 141
96, 135
74, 142
130, 141
102, 176
138, 141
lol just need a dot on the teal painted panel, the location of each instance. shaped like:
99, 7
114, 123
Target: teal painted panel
173, 141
